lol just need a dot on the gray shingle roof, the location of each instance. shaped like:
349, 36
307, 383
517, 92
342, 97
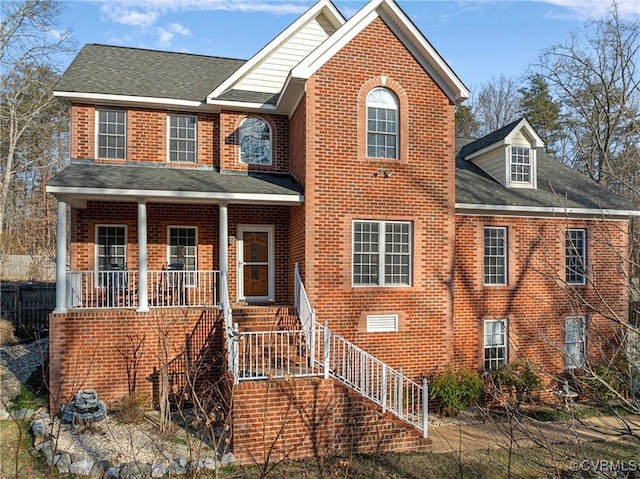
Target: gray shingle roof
145, 73
558, 187
202, 182
490, 139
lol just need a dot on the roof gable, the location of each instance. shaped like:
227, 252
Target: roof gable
404, 29
268, 70
502, 136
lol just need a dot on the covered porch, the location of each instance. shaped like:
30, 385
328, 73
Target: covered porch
139, 210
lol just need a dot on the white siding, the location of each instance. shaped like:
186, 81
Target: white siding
270, 74
493, 163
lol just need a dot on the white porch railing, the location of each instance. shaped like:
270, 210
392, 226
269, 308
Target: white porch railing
316, 350
119, 289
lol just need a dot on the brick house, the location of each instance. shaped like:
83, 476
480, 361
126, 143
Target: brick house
306, 224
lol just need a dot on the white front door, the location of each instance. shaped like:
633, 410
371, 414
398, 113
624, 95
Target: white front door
255, 263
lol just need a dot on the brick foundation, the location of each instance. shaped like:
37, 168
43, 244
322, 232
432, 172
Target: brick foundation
298, 418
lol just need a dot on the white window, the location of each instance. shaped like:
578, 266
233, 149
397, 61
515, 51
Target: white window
495, 343
575, 256
183, 250
381, 253
495, 255
382, 124
111, 134
382, 323
520, 164
255, 141
575, 340
111, 247
182, 138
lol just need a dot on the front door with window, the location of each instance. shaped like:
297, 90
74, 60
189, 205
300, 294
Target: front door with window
255, 263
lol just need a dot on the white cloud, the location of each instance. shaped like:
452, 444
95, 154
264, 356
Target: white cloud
121, 13
166, 34
590, 9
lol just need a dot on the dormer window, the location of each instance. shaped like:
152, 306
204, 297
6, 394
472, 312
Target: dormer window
520, 164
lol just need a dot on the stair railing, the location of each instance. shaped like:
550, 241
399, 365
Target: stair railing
231, 330
359, 370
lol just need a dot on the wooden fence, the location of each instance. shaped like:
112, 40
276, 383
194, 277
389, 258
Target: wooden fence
27, 306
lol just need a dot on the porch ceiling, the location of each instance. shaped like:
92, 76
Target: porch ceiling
80, 182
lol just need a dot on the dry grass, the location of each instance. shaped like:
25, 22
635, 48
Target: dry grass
7, 335
14, 437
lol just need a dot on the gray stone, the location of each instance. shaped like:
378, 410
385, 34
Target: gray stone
210, 463
178, 467
76, 456
112, 473
135, 470
99, 469
51, 460
64, 462
47, 448
227, 459
22, 414
38, 428
4, 415
81, 468
159, 470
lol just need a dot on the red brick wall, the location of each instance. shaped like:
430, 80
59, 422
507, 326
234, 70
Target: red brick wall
146, 136
300, 418
87, 348
536, 301
341, 187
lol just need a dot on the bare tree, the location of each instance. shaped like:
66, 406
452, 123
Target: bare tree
594, 76
29, 115
497, 104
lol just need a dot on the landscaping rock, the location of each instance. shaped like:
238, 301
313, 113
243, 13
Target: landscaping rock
227, 459
23, 414
64, 462
135, 470
38, 428
99, 469
112, 473
81, 468
4, 415
178, 467
75, 457
158, 470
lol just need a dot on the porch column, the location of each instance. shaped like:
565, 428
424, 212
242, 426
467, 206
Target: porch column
61, 258
223, 245
143, 262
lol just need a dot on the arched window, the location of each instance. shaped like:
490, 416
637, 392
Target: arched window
255, 141
382, 124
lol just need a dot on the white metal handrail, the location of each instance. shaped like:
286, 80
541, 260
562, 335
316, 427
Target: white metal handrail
273, 355
373, 379
231, 337
170, 289
359, 370
119, 289
102, 289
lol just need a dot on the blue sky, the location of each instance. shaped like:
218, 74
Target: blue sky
480, 39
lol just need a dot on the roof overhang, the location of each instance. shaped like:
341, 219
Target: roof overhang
101, 98
544, 212
78, 197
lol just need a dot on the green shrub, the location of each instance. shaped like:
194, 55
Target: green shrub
518, 380
610, 379
456, 390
